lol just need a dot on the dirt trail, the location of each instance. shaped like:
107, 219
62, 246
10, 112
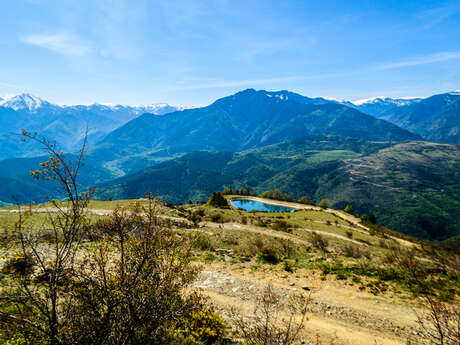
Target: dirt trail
350, 316
277, 234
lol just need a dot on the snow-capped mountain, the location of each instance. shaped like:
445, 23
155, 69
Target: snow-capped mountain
31, 103
25, 102
376, 106
67, 124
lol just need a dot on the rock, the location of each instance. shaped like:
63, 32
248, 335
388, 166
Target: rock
306, 288
291, 283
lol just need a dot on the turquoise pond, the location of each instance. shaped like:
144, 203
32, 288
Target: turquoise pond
249, 205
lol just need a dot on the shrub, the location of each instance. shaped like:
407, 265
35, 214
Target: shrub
440, 323
324, 203
267, 325
20, 264
349, 209
217, 199
305, 200
319, 242
203, 242
352, 251
288, 266
217, 218
281, 225
277, 195
228, 191
195, 217
269, 255
204, 326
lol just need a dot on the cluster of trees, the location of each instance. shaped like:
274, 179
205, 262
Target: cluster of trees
275, 194
241, 191
364, 217
217, 199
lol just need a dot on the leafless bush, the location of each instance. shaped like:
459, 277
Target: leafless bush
275, 321
440, 323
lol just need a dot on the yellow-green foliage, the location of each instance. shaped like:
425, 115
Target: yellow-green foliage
21, 340
203, 326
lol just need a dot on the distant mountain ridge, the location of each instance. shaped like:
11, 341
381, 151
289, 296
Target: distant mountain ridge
65, 124
436, 118
245, 120
378, 105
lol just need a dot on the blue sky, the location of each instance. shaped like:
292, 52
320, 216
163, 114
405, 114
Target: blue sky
193, 52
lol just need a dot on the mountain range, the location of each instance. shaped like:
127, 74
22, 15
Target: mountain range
435, 118
245, 120
65, 124
369, 153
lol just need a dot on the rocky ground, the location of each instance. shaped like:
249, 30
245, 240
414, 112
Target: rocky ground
338, 314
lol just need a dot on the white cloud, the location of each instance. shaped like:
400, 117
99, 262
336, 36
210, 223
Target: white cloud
414, 61
62, 43
421, 60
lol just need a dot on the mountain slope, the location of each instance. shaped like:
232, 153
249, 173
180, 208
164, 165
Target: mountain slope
379, 105
18, 185
248, 119
436, 118
412, 187
65, 124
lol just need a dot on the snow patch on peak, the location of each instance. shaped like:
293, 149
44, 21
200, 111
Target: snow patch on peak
23, 101
368, 100
386, 100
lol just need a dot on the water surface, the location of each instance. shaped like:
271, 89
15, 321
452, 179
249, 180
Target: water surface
250, 205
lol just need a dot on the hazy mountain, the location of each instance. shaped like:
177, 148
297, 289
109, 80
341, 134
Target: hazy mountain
23, 188
436, 118
65, 124
379, 105
245, 120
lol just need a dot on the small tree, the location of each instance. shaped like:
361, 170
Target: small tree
217, 199
440, 322
304, 200
35, 302
349, 209
324, 203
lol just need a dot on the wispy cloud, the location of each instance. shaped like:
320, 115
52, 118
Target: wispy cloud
410, 62
62, 43
262, 81
437, 15
420, 60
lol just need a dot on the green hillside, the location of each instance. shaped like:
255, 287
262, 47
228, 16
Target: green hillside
412, 187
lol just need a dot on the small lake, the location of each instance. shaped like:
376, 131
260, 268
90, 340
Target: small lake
249, 205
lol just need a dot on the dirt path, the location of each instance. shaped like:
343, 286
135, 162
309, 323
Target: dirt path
349, 316
277, 234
